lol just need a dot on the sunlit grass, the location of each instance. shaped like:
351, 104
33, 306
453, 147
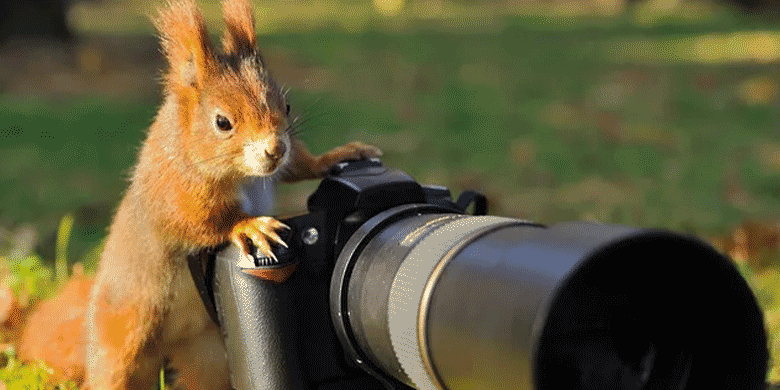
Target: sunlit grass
766, 287
27, 376
61, 259
742, 47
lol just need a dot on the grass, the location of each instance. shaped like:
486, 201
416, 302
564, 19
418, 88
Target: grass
650, 119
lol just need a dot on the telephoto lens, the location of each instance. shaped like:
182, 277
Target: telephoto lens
391, 285
452, 301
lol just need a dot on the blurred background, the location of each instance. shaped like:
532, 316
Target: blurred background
656, 113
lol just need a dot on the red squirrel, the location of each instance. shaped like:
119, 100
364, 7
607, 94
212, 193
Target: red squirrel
223, 122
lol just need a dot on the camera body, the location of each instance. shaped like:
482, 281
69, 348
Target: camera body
396, 287
297, 342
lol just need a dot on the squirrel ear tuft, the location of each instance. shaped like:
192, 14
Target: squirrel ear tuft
239, 37
185, 42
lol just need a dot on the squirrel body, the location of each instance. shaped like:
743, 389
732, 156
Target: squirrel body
223, 121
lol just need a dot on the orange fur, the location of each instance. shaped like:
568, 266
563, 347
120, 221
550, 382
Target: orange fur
184, 40
239, 37
55, 331
223, 121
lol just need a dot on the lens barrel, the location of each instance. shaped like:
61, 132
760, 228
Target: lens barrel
440, 300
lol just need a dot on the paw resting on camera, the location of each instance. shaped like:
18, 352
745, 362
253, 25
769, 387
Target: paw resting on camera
351, 151
260, 232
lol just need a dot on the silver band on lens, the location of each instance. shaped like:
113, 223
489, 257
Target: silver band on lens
411, 289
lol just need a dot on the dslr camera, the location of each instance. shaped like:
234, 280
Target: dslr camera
389, 284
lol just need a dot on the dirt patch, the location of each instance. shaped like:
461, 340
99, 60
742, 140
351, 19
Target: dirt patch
110, 67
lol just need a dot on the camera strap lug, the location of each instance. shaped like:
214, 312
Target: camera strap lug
468, 197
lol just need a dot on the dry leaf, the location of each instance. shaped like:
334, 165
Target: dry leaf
753, 243
758, 91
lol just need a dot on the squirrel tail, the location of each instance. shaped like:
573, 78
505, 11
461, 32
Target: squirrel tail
54, 332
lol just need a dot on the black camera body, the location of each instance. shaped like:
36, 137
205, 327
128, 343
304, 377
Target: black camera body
396, 287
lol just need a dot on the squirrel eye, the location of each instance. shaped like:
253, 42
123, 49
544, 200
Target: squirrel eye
288, 108
224, 123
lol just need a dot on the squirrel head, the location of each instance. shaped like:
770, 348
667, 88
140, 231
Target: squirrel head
232, 117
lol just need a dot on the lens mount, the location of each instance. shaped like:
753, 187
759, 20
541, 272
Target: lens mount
342, 273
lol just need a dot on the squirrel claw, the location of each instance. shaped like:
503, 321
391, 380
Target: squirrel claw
259, 231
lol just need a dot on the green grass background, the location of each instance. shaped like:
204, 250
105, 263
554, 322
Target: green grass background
555, 113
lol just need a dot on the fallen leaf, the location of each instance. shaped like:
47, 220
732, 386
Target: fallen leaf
758, 91
753, 243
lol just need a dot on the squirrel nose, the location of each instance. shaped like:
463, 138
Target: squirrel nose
277, 152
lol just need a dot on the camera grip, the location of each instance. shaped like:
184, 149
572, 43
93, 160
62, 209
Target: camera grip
257, 325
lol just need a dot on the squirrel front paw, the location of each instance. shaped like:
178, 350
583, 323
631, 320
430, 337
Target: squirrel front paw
258, 231
353, 150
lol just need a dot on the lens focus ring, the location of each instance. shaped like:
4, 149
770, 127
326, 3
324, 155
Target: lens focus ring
411, 288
